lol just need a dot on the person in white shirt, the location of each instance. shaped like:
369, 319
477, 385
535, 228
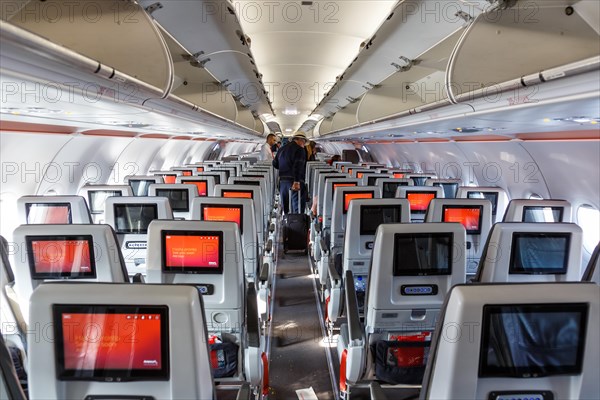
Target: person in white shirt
265, 150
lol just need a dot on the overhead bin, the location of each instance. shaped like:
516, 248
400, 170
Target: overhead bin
211, 33
508, 44
118, 34
422, 84
411, 30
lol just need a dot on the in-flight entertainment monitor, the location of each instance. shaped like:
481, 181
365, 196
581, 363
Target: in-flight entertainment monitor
61, 257
373, 216
449, 188
223, 212
201, 184
140, 186
389, 189
48, 213
178, 198
134, 218
168, 178
418, 254
111, 343
542, 214
199, 169
243, 182
339, 184
469, 216
97, 199
349, 196
533, 340
239, 194
372, 179
491, 196
539, 253
419, 201
192, 252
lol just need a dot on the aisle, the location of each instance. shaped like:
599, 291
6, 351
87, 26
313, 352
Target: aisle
297, 358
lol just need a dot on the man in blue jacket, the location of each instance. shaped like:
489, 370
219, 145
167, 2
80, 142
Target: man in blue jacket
291, 163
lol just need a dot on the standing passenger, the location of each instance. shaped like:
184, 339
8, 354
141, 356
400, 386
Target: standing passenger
265, 151
291, 163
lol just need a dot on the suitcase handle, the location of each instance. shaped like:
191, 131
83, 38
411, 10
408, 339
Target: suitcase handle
299, 200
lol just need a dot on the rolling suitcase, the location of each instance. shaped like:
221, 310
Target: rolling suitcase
295, 229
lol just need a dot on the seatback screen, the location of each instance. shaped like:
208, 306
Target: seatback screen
140, 186
349, 196
389, 189
202, 186
111, 342
48, 213
372, 179
192, 252
97, 198
61, 257
468, 216
239, 194
529, 341
223, 212
542, 214
422, 254
337, 185
134, 218
199, 169
398, 175
244, 182
169, 178
186, 173
539, 253
491, 196
178, 198
419, 201
449, 189
373, 216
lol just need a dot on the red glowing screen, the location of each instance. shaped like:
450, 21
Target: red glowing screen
337, 185
199, 169
49, 213
192, 252
55, 257
470, 217
201, 185
222, 213
239, 194
355, 195
169, 178
398, 175
186, 173
419, 200
97, 342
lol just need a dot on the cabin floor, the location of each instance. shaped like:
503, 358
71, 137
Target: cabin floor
299, 358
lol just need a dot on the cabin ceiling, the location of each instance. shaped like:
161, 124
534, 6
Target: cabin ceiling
339, 70
301, 47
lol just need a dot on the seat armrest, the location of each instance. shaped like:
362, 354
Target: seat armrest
377, 392
269, 246
245, 392
334, 276
264, 273
318, 227
252, 322
354, 328
138, 278
324, 248
272, 228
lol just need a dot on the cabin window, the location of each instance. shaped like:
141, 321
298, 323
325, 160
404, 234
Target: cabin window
588, 218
